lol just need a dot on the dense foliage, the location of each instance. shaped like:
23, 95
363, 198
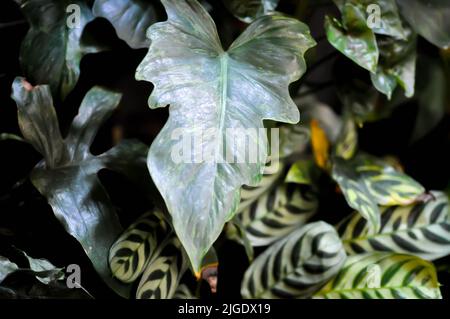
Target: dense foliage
345, 209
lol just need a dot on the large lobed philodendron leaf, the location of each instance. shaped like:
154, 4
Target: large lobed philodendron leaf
52, 49
212, 91
67, 176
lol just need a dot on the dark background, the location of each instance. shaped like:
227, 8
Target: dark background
27, 222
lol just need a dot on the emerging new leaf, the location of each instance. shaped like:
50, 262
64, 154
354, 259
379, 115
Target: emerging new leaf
213, 92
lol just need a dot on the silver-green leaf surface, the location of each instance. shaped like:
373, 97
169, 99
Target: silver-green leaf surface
130, 18
213, 91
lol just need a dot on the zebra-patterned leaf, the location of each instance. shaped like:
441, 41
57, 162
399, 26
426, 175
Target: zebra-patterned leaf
183, 292
356, 192
387, 186
162, 275
383, 276
421, 229
277, 213
249, 194
135, 248
296, 266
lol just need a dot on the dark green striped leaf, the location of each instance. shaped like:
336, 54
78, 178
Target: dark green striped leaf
383, 276
162, 275
249, 194
297, 265
421, 229
356, 192
387, 186
183, 292
135, 248
278, 212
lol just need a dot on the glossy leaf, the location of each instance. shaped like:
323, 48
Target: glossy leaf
53, 47
397, 65
44, 270
130, 18
136, 247
234, 89
353, 37
162, 276
429, 18
383, 276
421, 229
249, 10
296, 266
67, 176
390, 22
6, 267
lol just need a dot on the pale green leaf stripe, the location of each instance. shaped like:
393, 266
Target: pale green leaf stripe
277, 213
134, 249
421, 229
383, 276
249, 194
207, 89
297, 265
162, 275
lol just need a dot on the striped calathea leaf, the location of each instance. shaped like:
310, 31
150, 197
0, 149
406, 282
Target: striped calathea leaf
136, 247
232, 91
421, 229
278, 212
183, 292
67, 176
367, 182
53, 47
162, 275
296, 266
383, 276
249, 10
